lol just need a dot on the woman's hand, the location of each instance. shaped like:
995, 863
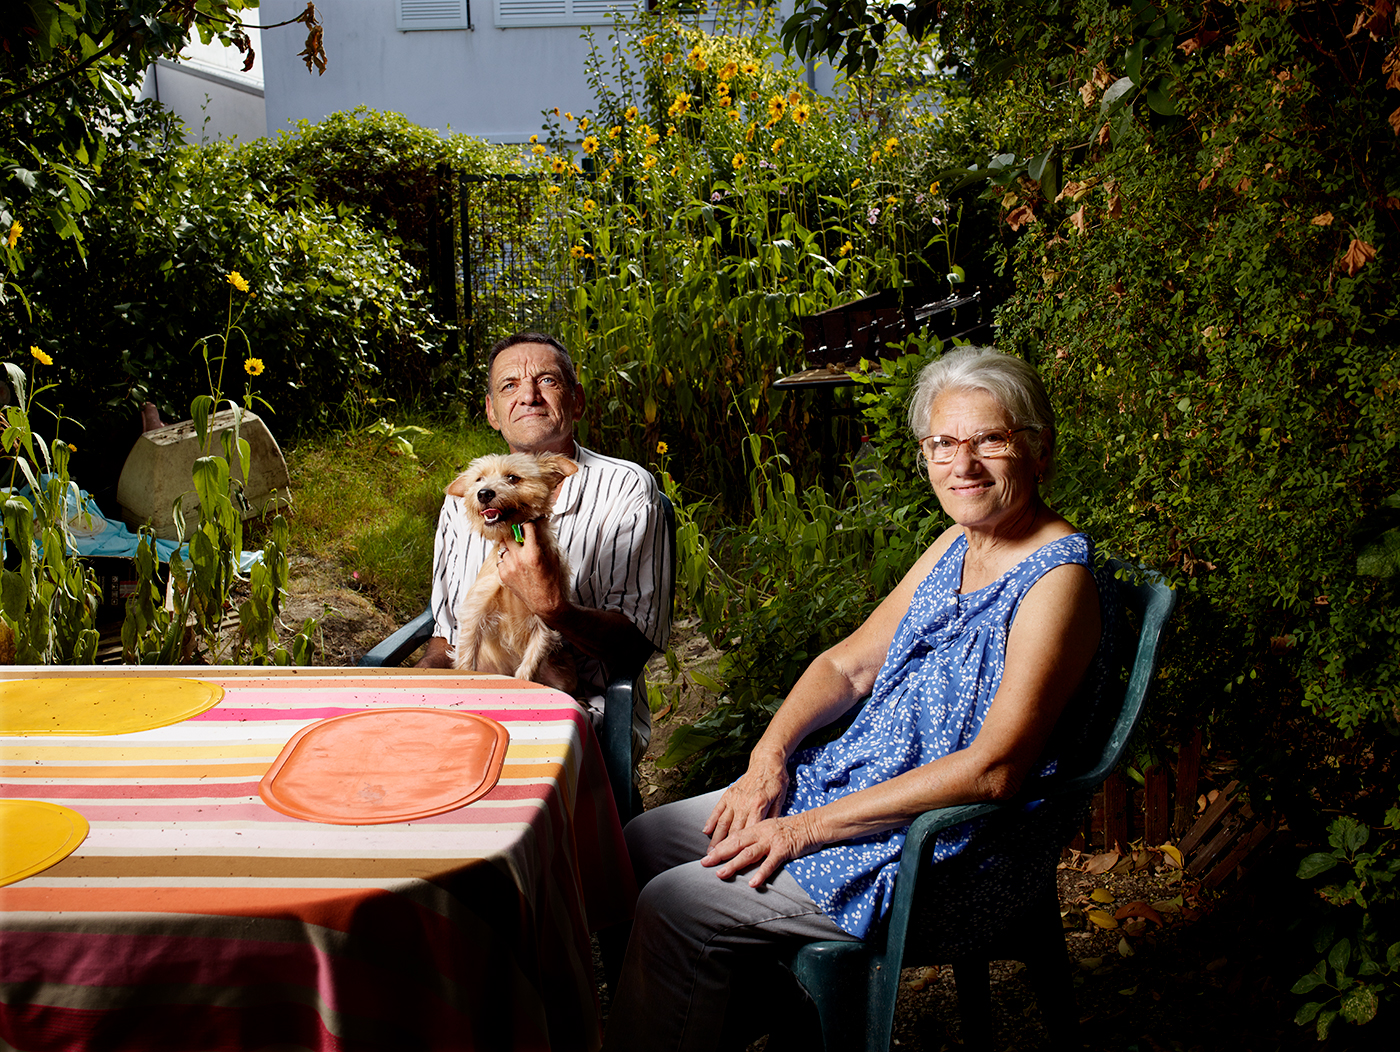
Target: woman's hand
768, 845
759, 794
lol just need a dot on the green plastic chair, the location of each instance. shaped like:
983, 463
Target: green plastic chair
854, 984
618, 699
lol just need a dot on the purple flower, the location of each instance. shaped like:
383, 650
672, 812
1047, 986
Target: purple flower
873, 216
716, 196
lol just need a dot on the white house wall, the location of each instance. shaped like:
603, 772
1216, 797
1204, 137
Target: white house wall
490, 83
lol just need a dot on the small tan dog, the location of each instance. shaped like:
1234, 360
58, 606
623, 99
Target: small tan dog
496, 632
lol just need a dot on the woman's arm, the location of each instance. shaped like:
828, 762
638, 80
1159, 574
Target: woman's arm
831, 684
1051, 644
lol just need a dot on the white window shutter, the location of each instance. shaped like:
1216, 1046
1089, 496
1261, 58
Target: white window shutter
431, 14
557, 12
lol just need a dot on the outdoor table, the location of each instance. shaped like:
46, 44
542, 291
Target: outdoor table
194, 916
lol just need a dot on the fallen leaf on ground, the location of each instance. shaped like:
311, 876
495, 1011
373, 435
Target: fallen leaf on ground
1100, 864
1101, 919
1090, 964
1173, 854
1125, 948
922, 977
1138, 909
1102, 895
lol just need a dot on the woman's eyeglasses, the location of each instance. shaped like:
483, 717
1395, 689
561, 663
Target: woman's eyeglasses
987, 444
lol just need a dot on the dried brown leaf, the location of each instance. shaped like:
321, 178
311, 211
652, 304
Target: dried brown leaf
1019, 217
1358, 254
1140, 909
1102, 863
1078, 220
1322, 219
1395, 119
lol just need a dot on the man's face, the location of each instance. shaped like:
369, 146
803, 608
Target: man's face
530, 402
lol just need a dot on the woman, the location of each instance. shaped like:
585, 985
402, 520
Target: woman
969, 663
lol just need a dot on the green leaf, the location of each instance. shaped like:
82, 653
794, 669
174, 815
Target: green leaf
1324, 1024
1311, 981
1359, 1005
1340, 957
1160, 98
1116, 95
1312, 865
1307, 1013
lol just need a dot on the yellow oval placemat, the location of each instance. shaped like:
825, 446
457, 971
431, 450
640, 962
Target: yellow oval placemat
35, 834
101, 705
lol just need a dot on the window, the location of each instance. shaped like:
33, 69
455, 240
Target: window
433, 14
556, 12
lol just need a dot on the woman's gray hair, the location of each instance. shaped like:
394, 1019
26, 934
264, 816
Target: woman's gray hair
1014, 384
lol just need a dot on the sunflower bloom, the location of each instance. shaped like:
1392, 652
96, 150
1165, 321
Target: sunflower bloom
629, 114
577, 251
749, 68
662, 448
253, 366
554, 190
752, 131
778, 144
891, 144
728, 71
237, 281
794, 98
537, 150
534, 138
590, 145
739, 161
855, 183
801, 112
653, 138
650, 161
583, 123
589, 205
680, 106
776, 106
667, 59
847, 249
725, 102
39, 355
648, 40
16, 228
568, 116
614, 131
558, 166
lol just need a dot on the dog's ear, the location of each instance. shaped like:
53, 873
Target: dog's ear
458, 487
557, 468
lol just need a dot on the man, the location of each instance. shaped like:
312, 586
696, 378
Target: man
608, 519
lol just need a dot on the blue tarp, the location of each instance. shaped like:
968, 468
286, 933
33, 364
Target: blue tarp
95, 535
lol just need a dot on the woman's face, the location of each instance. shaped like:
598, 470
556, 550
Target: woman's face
982, 493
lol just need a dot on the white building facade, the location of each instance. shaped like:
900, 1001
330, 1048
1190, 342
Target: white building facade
486, 68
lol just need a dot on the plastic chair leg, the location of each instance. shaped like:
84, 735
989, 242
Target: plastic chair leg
972, 976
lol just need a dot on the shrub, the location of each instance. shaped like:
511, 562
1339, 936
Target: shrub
333, 301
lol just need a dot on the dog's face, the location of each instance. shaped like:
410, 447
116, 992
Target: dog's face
502, 490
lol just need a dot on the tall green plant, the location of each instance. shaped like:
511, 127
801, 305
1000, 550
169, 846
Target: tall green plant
717, 202
203, 579
48, 597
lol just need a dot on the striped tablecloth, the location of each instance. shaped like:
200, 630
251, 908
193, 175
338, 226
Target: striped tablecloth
194, 917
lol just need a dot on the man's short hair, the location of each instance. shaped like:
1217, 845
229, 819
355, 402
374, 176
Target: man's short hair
561, 354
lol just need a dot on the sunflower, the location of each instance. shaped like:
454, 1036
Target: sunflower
629, 114
590, 145
739, 161
39, 355
558, 166
801, 112
253, 366
776, 106
577, 251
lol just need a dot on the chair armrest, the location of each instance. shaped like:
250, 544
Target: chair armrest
402, 643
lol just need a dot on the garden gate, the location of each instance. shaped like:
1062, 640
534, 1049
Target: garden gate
498, 266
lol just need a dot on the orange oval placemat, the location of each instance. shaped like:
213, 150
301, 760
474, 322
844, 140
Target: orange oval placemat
35, 834
101, 705
388, 765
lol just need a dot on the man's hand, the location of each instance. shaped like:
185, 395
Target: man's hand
532, 571
435, 656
